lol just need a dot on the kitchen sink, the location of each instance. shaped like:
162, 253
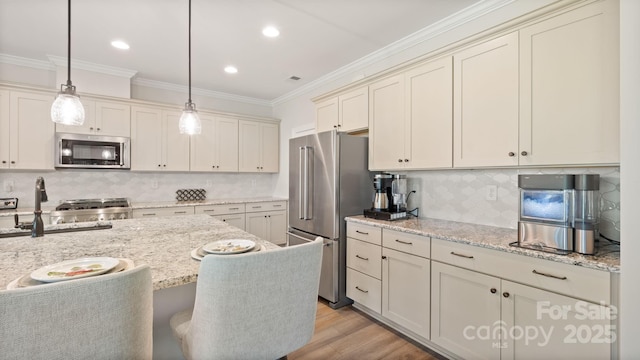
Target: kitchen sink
56, 231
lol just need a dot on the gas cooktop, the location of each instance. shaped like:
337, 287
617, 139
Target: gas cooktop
82, 210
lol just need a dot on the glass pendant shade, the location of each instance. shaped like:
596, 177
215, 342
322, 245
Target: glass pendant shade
67, 108
190, 121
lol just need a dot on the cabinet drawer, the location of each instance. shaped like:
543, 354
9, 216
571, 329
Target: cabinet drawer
579, 282
220, 209
364, 257
171, 211
409, 243
266, 206
366, 233
364, 290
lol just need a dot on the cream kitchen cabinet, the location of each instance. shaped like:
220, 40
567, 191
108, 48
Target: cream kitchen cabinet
102, 118
364, 266
163, 211
259, 144
267, 220
411, 119
485, 115
478, 309
216, 148
156, 143
26, 130
232, 214
347, 112
569, 80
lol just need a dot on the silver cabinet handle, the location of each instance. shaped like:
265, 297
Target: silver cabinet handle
462, 255
149, 214
404, 242
179, 212
549, 275
278, 205
208, 210
363, 258
362, 232
234, 208
364, 291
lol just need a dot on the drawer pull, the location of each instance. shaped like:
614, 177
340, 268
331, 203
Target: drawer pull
208, 210
179, 212
234, 208
493, 290
277, 205
505, 294
549, 275
364, 291
149, 214
404, 242
363, 258
362, 232
461, 255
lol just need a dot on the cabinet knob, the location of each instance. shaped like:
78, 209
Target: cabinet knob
13, 161
261, 168
505, 294
339, 125
512, 154
384, 257
165, 165
524, 153
400, 160
335, 126
493, 290
4, 161
406, 160
159, 165
91, 128
98, 129
217, 166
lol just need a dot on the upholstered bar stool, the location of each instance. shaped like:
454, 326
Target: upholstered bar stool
258, 305
99, 317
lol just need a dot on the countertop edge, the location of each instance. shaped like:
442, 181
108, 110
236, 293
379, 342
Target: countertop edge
572, 259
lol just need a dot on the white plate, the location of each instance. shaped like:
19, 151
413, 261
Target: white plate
232, 246
65, 270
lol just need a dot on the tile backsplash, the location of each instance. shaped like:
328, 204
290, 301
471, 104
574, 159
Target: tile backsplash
461, 195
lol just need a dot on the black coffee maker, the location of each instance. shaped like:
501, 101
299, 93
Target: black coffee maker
384, 205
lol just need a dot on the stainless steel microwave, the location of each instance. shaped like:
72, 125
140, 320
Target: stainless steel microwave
92, 151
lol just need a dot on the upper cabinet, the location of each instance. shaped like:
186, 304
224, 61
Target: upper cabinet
411, 119
259, 146
26, 131
102, 118
156, 143
485, 116
347, 112
216, 148
569, 88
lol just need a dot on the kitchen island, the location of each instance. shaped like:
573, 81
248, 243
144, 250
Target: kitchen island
163, 243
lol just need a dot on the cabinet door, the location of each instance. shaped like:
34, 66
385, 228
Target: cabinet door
256, 224
112, 119
5, 135
277, 221
146, 138
270, 143
168, 211
175, 145
387, 125
31, 130
237, 220
353, 110
203, 157
226, 144
570, 88
429, 113
553, 326
463, 303
327, 115
406, 290
88, 127
249, 146
485, 112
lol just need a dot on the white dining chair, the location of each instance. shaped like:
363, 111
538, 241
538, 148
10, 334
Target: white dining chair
257, 305
99, 317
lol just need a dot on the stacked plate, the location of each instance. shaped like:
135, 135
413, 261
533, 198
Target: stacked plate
225, 247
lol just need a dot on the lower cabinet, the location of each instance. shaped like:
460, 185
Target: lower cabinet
237, 220
268, 225
232, 214
479, 316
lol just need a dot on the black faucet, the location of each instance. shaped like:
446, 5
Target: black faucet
41, 196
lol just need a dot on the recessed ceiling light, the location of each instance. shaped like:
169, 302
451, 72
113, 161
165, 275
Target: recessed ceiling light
231, 69
270, 31
119, 44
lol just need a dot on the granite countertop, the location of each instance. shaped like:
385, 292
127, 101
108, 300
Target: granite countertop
607, 257
163, 243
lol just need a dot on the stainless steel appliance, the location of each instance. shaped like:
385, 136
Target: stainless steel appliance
81, 210
328, 180
389, 202
92, 151
559, 213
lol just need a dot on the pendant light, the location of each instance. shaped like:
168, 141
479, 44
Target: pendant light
190, 121
67, 108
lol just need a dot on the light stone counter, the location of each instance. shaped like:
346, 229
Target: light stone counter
607, 257
167, 204
164, 243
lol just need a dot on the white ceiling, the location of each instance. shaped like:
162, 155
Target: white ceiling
316, 37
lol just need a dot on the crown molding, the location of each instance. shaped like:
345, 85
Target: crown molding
26, 62
202, 92
458, 19
88, 66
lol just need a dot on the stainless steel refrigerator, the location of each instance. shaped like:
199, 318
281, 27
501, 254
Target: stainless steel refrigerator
328, 180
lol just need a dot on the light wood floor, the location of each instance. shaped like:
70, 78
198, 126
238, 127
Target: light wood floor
347, 333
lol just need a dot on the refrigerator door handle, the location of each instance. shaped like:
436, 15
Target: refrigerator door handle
301, 184
310, 175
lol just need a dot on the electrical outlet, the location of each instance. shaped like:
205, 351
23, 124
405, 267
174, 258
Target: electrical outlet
492, 193
8, 185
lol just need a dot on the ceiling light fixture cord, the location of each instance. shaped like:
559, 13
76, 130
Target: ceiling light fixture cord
189, 50
69, 43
